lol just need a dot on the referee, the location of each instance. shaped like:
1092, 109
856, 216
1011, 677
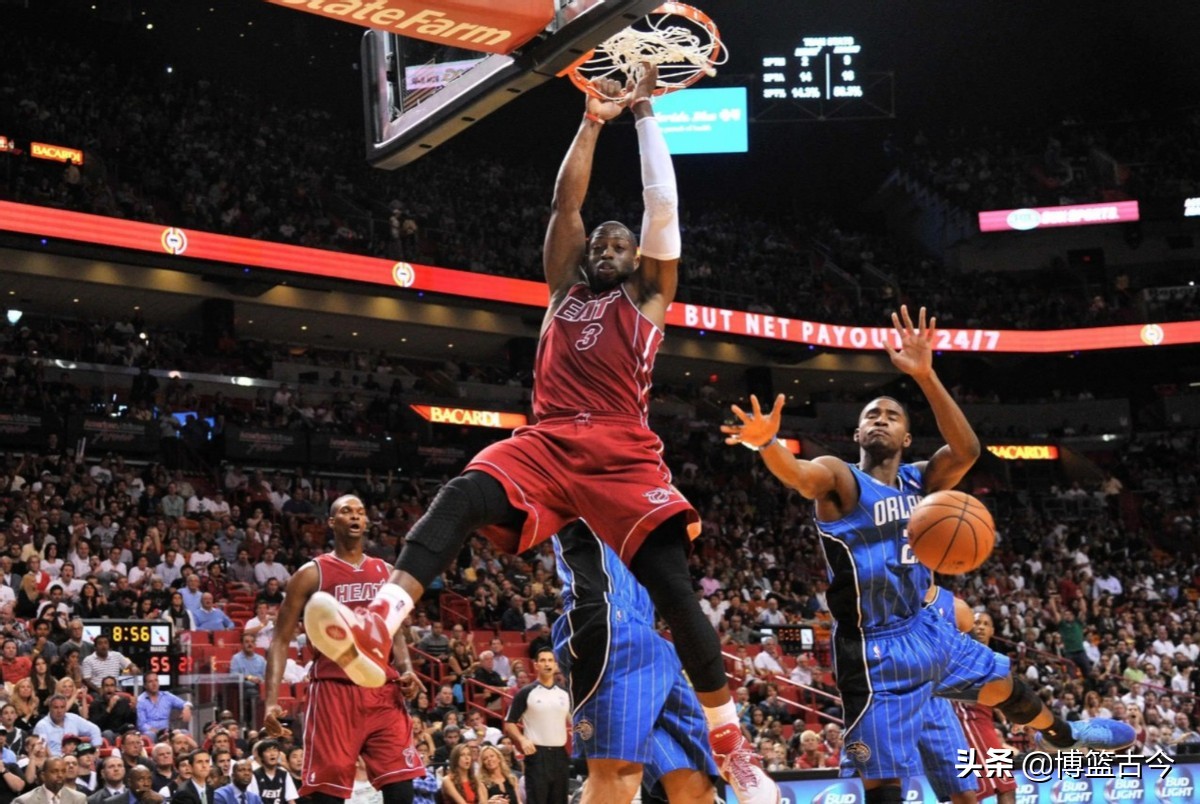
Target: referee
543, 708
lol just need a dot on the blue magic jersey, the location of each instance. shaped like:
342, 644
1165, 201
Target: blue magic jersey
592, 574
875, 581
943, 604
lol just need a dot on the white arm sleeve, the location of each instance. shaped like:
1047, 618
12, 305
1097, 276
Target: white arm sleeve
660, 223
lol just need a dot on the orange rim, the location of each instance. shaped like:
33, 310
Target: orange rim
688, 12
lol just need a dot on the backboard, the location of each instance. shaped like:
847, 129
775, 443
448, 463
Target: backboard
417, 94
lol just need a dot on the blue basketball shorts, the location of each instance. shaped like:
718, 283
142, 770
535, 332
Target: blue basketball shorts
887, 679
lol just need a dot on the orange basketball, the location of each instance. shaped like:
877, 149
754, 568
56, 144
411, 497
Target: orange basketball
951, 532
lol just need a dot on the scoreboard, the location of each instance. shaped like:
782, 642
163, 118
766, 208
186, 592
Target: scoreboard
820, 68
149, 644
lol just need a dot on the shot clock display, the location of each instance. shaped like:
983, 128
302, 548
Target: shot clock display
819, 68
149, 645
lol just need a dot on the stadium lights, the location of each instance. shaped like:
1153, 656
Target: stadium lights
14, 316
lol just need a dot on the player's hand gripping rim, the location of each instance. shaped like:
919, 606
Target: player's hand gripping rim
756, 429
915, 355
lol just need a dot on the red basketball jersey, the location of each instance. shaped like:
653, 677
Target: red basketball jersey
353, 586
596, 356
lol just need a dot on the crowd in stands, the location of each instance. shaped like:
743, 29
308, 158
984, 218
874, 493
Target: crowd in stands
1071, 162
178, 150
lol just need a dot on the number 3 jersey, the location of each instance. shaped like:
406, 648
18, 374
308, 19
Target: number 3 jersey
595, 356
875, 581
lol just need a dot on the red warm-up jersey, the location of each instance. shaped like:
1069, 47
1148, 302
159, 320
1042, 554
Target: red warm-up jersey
355, 587
596, 356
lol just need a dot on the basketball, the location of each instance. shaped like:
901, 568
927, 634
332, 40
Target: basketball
951, 532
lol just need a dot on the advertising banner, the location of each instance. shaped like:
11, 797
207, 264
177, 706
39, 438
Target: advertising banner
115, 435
259, 444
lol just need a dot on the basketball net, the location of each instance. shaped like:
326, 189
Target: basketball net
681, 40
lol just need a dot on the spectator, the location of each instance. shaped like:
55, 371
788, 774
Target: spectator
111, 711
241, 571
271, 780
13, 667
103, 663
52, 773
238, 790
112, 782
262, 625
163, 759
251, 666
140, 784
268, 568
208, 618
195, 789
193, 596
154, 707
60, 722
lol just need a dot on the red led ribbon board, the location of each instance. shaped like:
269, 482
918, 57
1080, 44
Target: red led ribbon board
174, 243
482, 25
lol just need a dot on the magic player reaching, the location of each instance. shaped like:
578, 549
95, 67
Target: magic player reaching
890, 652
591, 454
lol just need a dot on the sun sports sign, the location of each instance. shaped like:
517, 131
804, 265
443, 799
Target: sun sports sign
482, 25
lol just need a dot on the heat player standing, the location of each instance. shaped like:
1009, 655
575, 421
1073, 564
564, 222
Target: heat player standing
344, 720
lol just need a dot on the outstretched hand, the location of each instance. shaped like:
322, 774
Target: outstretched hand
915, 355
411, 686
756, 429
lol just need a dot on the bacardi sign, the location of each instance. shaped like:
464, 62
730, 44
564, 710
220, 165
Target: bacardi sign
1024, 452
470, 417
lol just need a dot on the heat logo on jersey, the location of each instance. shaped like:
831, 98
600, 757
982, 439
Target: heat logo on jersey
356, 592
574, 309
657, 496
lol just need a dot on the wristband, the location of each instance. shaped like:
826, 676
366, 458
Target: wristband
753, 448
593, 118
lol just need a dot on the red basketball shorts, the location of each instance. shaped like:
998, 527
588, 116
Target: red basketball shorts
981, 735
605, 469
344, 721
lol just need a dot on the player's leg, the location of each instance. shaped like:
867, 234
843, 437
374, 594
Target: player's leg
398, 792
361, 645
680, 764
975, 672
940, 742
331, 742
611, 781
661, 565
688, 786
384, 731
884, 687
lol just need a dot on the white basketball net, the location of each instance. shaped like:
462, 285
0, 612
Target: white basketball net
681, 48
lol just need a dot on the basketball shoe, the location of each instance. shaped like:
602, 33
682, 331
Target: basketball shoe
741, 767
1097, 734
357, 640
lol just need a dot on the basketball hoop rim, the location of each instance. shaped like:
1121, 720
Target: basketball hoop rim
685, 10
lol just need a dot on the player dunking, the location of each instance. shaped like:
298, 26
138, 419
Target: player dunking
636, 719
890, 653
591, 453
344, 720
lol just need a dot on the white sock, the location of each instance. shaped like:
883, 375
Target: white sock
720, 715
399, 604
